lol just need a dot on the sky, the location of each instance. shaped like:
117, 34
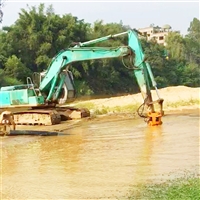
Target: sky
136, 14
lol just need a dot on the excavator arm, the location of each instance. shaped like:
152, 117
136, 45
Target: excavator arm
63, 60
54, 79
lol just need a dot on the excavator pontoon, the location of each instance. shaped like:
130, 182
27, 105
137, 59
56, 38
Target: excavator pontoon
52, 88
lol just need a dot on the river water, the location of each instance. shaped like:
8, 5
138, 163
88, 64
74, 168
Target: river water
98, 160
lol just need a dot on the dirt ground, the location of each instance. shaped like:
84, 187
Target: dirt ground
179, 95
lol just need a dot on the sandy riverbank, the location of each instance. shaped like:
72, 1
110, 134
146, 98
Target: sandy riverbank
184, 97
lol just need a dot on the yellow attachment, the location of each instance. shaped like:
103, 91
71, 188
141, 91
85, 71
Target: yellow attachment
154, 119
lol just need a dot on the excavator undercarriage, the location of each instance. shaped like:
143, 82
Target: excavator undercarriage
50, 116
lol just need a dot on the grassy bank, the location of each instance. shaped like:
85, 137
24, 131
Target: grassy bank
190, 102
132, 108
101, 110
184, 188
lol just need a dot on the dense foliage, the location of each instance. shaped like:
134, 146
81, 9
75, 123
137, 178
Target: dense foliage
38, 34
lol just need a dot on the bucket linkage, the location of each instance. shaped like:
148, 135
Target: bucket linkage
152, 118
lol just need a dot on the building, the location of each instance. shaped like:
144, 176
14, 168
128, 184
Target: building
157, 33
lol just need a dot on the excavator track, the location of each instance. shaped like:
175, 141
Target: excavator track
37, 117
68, 113
49, 116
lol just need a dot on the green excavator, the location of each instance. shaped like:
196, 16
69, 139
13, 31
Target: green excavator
55, 86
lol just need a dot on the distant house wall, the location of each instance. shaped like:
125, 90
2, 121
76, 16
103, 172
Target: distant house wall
157, 33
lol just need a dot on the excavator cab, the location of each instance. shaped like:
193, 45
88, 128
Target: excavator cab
67, 92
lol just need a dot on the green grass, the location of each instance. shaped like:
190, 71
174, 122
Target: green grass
88, 105
184, 188
132, 108
183, 103
106, 109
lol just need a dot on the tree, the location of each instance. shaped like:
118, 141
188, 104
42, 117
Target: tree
39, 34
193, 42
107, 75
193, 30
7, 80
176, 46
16, 69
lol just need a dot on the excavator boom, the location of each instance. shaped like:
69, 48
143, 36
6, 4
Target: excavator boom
80, 52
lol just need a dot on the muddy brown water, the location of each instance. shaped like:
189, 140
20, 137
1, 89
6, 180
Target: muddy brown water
100, 159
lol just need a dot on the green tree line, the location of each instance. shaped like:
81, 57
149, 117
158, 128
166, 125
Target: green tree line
39, 34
